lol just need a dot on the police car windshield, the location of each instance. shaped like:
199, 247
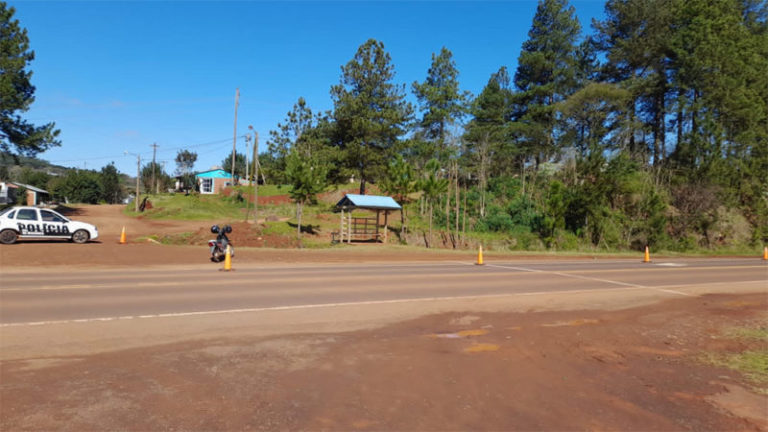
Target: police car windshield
5, 210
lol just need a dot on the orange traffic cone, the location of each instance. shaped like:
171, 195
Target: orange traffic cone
480, 256
227, 260
122, 236
765, 253
647, 257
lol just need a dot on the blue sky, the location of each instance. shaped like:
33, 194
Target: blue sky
120, 76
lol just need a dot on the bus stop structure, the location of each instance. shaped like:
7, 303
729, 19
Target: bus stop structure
364, 228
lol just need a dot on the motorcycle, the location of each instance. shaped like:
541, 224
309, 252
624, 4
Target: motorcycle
219, 246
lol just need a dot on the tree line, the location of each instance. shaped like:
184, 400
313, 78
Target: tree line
652, 129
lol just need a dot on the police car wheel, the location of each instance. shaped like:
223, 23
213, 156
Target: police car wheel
80, 236
8, 236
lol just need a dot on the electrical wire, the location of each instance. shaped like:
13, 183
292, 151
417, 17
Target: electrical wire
142, 154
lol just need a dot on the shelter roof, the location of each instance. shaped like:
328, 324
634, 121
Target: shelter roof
372, 202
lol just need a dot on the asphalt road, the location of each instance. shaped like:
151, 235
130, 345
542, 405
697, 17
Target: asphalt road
41, 298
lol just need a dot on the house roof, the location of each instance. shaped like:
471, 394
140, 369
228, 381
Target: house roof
32, 188
217, 173
372, 202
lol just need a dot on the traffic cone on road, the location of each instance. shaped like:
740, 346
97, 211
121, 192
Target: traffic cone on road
122, 236
480, 256
227, 260
765, 253
647, 257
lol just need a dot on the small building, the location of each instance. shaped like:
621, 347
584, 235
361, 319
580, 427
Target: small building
34, 195
213, 181
365, 228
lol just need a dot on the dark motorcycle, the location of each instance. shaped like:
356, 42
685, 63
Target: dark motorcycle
219, 246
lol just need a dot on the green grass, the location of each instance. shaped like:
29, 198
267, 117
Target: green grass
752, 363
192, 207
278, 228
266, 190
760, 333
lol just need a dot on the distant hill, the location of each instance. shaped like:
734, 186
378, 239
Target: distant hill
11, 162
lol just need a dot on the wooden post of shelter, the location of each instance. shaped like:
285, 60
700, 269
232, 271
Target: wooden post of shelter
386, 225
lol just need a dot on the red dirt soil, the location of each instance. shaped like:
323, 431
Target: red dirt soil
630, 370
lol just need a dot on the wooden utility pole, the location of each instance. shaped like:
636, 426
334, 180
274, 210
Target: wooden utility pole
234, 138
138, 175
255, 177
154, 166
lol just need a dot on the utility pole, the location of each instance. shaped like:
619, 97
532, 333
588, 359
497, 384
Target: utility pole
247, 141
255, 175
138, 175
247, 179
154, 165
234, 138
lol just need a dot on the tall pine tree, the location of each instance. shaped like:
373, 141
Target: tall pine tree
546, 75
441, 101
17, 92
370, 111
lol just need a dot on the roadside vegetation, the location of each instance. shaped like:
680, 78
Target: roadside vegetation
650, 129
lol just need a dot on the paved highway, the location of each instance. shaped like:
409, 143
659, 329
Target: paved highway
44, 298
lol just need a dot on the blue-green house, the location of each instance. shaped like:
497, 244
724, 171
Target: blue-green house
213, 181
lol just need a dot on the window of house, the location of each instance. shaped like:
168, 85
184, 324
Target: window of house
207, 186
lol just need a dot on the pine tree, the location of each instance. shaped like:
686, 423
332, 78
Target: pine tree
546, 75
486, 135
17, 92
635, 36
289, 133
441, 101
370, 111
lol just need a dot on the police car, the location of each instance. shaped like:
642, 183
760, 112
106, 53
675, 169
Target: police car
34, 223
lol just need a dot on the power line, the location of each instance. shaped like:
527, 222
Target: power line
221, 141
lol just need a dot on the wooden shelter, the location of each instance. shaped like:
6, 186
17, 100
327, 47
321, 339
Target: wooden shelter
365, 228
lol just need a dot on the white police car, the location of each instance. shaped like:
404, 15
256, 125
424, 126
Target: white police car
34, 223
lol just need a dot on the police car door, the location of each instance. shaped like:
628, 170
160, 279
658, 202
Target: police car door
28, 223
53, 224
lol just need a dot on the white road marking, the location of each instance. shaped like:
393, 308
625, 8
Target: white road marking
364, 303
576, 276
307, 306
670, 265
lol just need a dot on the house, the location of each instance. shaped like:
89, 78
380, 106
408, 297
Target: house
213, 181
8, 192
